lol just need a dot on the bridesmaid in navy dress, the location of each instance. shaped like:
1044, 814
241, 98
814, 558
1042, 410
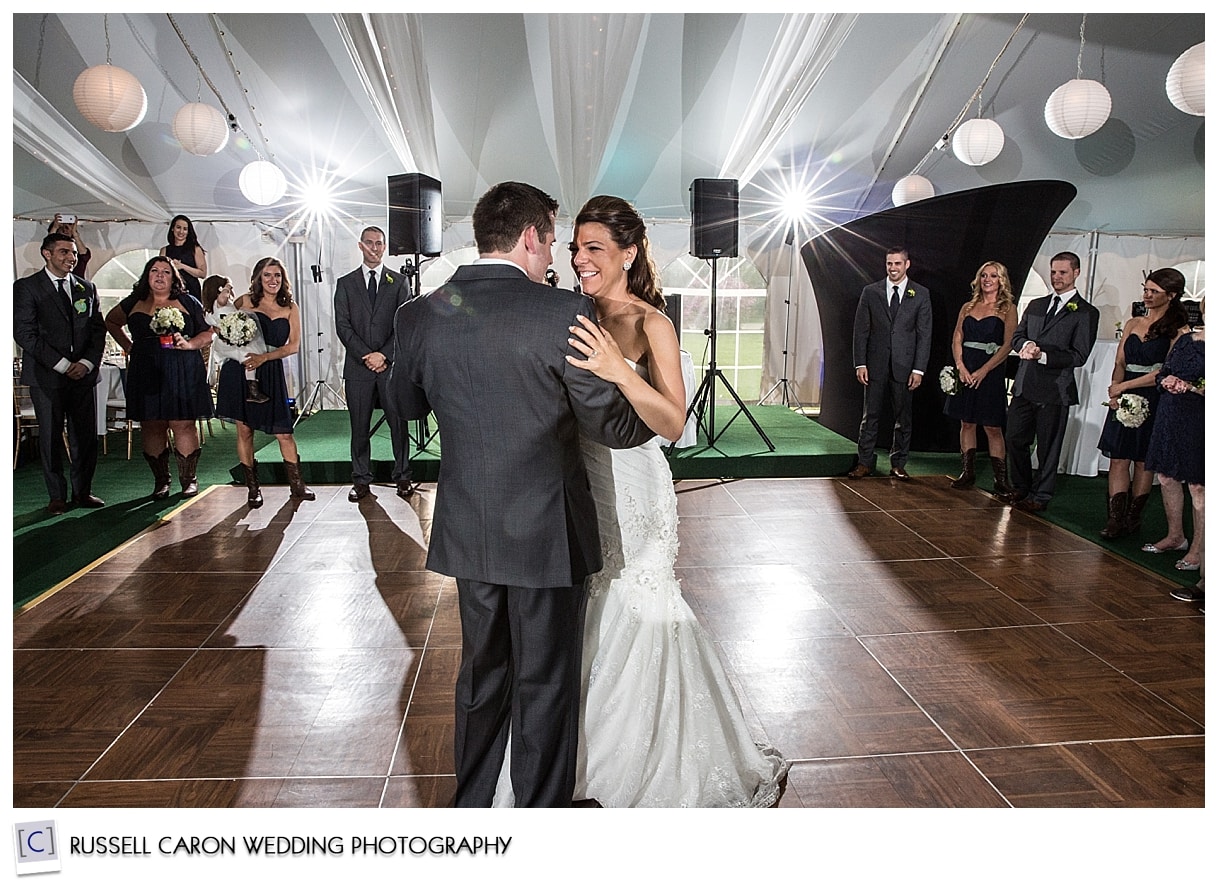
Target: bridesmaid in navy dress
980, 346
167, 387
187, 254
278, 317
1177, 448
1144, 347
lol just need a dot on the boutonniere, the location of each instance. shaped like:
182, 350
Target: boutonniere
910, 292
1072, 306
78, 286
81, 306
388, 279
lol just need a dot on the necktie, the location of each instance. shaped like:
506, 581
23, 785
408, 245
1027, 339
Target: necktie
896, 301
63, 292
371, 283
1053, 307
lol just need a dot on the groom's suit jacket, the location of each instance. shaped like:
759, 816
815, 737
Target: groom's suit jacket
1066, 340
486, 353
366, 325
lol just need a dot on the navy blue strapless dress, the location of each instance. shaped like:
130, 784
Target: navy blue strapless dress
165, 384
1177, 443
273, 417
987, 404
1124, 442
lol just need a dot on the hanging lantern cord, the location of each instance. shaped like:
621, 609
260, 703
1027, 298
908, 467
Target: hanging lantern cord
1082, 41
976, 94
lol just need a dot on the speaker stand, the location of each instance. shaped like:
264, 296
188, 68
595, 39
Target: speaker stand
703, 403
788, 393
315, 397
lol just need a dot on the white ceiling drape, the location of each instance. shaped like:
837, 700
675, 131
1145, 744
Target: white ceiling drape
803, 48
42, 131
593, 61
387, 51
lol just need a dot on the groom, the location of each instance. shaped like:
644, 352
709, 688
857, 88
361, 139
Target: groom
514, 521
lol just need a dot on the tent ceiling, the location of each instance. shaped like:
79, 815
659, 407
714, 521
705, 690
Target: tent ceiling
681, 85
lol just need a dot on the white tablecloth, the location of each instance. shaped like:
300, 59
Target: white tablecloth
109, 389
1080, 455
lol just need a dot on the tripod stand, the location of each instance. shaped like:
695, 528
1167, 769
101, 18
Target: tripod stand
788, 393
703, 403
320, 384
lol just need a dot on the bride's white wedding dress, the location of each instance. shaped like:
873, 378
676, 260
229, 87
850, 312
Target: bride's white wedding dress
659, 722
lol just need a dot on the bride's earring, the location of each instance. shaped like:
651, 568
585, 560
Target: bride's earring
626, 266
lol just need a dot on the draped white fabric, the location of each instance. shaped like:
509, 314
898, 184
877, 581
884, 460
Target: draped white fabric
593, 60
40, 129
387, 52
803, 48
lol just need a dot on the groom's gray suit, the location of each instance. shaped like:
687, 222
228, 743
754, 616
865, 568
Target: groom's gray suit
514, 520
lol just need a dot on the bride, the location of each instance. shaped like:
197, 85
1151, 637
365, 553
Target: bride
659, 722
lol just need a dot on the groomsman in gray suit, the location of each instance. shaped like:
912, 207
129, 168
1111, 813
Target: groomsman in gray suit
515, 522
57, 322
365, 301
1054, 336
891, 347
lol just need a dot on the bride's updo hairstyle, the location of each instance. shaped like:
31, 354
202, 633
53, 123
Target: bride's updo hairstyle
627, 228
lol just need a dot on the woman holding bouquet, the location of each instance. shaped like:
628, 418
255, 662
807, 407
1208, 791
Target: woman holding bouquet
167, 389
270, 301
1127, 431
980, 346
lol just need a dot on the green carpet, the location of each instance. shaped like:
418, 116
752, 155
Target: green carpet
49, 549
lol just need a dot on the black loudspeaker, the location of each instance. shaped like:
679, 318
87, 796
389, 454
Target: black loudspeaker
415, 215
713, 206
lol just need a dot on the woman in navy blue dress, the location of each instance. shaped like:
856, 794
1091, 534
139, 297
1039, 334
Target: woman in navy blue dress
188, 256
1177, 447
167, 387
278, 317
980, 346
1143, 348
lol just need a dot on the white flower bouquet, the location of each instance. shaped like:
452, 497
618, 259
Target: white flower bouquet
949, 379
238, 336
1132, 410
165, 321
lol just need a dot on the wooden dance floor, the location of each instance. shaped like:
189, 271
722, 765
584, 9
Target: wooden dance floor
903, 643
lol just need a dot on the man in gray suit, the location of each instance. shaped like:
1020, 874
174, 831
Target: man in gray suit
57, 322
1054, 336
891, 347
515, 522
365, 301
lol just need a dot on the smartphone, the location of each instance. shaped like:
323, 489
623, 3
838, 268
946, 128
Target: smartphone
67, 218
1139, 308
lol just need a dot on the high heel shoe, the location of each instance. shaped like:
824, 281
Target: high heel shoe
1187, 565
1154, 549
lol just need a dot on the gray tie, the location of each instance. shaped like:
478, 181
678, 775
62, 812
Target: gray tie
1053, 307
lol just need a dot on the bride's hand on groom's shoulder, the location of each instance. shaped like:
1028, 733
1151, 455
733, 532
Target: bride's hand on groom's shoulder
600, 351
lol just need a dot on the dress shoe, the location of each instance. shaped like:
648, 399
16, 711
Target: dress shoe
859, 471
358, 492
57, 506
88, 501
1155, 549
1189, 593
406, 489
1029, 505
898, 472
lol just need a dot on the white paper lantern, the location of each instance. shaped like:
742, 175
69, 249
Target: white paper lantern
110, 98
911, 188
1078, 108
978, 141
262, 182
1186, 81
200, 129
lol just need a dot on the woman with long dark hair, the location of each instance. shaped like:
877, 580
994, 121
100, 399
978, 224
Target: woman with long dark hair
278, 317
1144, 346
183, 249
167, 389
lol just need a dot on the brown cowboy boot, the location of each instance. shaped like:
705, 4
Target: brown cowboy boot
296, 483
1118, 506
253, 488
969, 475
1001, 487
187, 470
160, 473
